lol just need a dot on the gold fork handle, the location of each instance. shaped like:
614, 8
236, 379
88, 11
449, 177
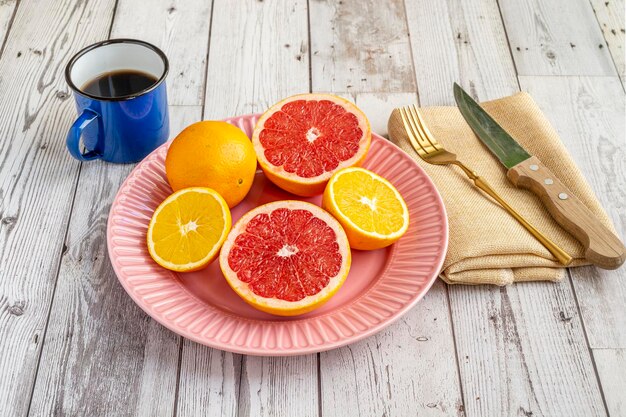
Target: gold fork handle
558, 253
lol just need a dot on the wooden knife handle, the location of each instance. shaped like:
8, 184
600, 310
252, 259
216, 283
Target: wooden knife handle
602, 247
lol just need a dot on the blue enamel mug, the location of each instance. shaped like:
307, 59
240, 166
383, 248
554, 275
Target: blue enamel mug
125, 128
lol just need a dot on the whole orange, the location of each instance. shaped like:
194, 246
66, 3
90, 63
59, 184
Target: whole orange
212, 154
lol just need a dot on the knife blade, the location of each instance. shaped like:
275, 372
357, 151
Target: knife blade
602, 247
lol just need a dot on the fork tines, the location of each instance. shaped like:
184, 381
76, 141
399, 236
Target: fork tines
420, 137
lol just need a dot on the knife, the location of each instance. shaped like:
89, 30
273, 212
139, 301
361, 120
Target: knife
602, 247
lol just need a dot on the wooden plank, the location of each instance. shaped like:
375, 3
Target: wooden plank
516, 354
279, 386
181, 29
98, 342
611, 364
391, 373
37, 176
7, 11
555, 37
459, 41
588, 113
209, 382
522, 350
248, 70
81, 357
360, 47
378, 106
610, 15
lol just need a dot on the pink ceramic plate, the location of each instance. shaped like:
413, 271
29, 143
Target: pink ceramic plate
381, 287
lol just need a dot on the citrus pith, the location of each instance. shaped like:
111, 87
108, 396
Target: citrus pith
188, 228
286, 257
302, 140
370, 208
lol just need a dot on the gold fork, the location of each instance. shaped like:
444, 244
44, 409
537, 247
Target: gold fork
432, 152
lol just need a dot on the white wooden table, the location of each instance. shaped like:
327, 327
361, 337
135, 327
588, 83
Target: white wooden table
72, 343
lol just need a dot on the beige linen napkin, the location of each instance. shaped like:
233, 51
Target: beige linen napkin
487, 245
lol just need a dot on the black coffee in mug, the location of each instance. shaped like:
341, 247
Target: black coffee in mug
119, 83
121, 98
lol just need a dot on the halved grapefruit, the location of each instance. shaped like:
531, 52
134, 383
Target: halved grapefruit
301, 141
286, 257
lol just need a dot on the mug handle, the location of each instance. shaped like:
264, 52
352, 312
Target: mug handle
76, 131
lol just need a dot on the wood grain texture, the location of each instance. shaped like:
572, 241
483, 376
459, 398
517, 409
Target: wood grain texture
555, 37
462, 41
378, 106
253, 62
611, 364
279, 387
181, 29
588, 113
610, 15
515, 355
360, 47
37, 177
98, 342
217, 383
7, 12
209, 382
522, 350
408, 369
258, 54
602, 247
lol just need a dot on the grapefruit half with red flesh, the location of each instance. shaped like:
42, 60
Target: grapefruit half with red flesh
303, 140
286, 257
